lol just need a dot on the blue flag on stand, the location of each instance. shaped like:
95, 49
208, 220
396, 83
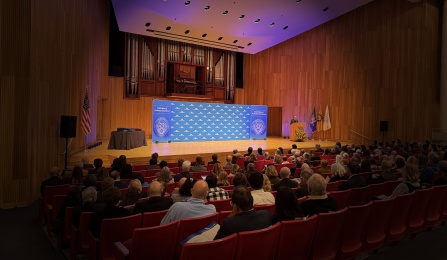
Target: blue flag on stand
313, 121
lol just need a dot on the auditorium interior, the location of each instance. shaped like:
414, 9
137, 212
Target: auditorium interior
378, 67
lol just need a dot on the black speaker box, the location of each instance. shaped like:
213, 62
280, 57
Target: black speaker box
68, 127
383, 126
239, 70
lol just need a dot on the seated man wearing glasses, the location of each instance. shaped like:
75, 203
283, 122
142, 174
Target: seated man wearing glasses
243, 217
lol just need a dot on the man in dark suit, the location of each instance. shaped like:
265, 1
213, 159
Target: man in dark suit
115, 175
249, 151
112, 198
244, 218
303, 191
285, 179
354, 180
186, 166
155, 202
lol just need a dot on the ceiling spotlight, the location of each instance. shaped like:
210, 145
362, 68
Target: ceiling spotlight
187, 3
204, 35
271, 25
249, 44
325, 9
285, 27
257, 20
148, 24
207, 8
187, 31
298, 1
225, 12
234, 41
241, 17
168, 28
220, 38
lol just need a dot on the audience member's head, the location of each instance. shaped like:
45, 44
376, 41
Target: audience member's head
400, 162
316, 185
185, 190
214, 157
115, 175
97, 163
153, 161
229, 158
250, 149
85, 160
180, 162
111, 196
211, 180
76, 175
411, 173
234, 169
256, 180
116, 165
89, 181
102, 173
217, 168
267, 184
137, 184
131, 197
89, 194
324, 163
155, 156
277, 159
186, 166
386, 165
284, 173
199, 160
251, 167
165, 175
156, 189
271, 171
260, 150
54, 171
242, 198
106, 183
222, 179
163, 164
353, 168
123, 160
442, 167
200, 190
240, 179
304, 176
338, 170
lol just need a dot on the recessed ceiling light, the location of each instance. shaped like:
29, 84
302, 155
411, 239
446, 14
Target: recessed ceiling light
168, 28
204, 35
220, 38
187, 3
285, 27
272, 24
257, 20
241, 17
225, 12
249, 44
207, 8
298, 1
325, 9
187, 31
234, 41
148, 24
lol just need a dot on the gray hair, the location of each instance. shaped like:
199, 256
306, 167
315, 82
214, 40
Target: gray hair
316, 185
89, 194
285, 173
186, 166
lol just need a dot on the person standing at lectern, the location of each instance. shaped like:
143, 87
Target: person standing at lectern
294, 120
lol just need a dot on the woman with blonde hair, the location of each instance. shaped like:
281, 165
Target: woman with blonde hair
137, 184
278, 159
234, 170
267, 185
165, 176
217, 169
272, 174
410, 181
222, 179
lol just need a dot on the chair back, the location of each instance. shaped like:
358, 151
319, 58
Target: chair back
376, 227
353, 231
259, 165
56, 206
152, 219
140, 167
435, 205
116, 230
332, 186
170, 187
150, 179
325, 244
80, 237
189, 226
390, 186
51, 191
223, 215
200, 175
359, 196
297, 172
66, 237
291, 246
278, 167
341, 197
221, 249
418, 211
377, 189
175, 170
152, 172
260, 157
156, 242
399, 217
227, 188
240, 161
249, 243
221, 205
269, 207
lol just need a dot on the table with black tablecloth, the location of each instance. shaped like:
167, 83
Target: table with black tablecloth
123, 140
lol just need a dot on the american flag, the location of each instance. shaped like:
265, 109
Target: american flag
85, 121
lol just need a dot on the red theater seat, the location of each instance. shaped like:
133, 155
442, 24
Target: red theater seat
257, 244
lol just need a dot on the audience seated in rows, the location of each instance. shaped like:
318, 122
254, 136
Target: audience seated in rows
186, 166
260, 197
89, 204
155, 202
318, 201
243, 217
193, 207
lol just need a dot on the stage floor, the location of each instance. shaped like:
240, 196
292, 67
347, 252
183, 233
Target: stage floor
171, 152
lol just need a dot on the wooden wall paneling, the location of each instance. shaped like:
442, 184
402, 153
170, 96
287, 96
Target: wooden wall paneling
365, 65
274, 121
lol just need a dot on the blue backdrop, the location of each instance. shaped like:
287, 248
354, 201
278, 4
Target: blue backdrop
192, 121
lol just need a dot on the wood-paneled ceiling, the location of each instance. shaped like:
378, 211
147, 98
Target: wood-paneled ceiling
248, 26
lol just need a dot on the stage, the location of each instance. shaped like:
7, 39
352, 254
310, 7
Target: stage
171, 152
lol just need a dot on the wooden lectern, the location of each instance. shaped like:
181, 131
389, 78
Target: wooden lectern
301, 129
